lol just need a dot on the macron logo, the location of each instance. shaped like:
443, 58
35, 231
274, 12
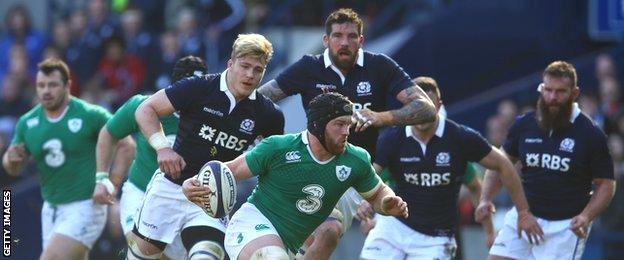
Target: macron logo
293, 156
533, 140
214, 112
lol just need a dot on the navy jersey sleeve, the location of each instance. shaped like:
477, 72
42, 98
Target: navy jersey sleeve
184, 92
475, 146
394, 76
275, 122
513, 136
601, 164
386, 146
293, 79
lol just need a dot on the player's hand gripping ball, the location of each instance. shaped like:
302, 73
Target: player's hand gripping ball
219, 179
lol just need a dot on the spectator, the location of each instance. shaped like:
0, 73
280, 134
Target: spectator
20, 31
139, 42
169, 53
189, 36
123, 73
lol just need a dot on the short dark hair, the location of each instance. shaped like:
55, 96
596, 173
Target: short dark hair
53, 64
428, 84
343, 15
561, 69
188, 66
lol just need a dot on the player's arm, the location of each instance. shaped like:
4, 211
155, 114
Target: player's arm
147, 116
417, 109
604, 190
106, 186
497, 163
378, 168
14, 159
272, 91
195, 193
385, 202
475, 191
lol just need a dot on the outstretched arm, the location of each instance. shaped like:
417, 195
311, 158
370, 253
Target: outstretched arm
417, 109
385, 202
272, 91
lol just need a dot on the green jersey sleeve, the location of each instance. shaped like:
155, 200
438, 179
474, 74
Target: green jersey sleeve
259, 158
123, 122
18, 136
367, 178
470, 174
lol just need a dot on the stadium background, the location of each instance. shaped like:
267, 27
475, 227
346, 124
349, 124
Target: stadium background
486, 55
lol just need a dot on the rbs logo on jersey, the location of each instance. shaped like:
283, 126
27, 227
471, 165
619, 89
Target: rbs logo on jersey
221, 138
548, 161
428, 179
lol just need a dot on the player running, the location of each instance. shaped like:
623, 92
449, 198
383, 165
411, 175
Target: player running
300, 179
220, 116
122, 125
60, 134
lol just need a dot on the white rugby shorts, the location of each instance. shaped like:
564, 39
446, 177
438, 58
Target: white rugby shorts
165, 211
559, 241
131, 200
247, 224
81, 220
392, 239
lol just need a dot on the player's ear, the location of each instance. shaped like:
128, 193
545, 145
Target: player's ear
326, 40
576, 91
230, 62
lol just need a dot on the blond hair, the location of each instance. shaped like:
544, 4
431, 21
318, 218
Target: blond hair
561, 69
253, 45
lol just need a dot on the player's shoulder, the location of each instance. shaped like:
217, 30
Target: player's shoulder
32, 113
207, 81
375, 58
585, 123
286, 141
86, 107
311, 59
457, 128
357, 154
525, 120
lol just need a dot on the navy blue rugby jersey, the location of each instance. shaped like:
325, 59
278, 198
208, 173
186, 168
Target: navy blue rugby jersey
373, 83
213, 126
429, 178
558, 168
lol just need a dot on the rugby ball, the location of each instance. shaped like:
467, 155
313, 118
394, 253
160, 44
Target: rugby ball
219, 179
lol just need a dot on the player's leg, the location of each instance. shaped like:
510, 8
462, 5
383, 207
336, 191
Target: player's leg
326, 236
71, 229
324, 240
382, 241
64, 247
507, 245
204, 243
159, 219
250, 235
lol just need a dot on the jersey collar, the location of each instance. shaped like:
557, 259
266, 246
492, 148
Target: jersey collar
224, 88
304, 139
576, 111
327, 60
329, 64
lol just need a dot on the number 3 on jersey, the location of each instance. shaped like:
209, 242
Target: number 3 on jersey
55, 156
312, 203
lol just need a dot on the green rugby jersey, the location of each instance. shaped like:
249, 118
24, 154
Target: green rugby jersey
63, 148
123, 124
295, 191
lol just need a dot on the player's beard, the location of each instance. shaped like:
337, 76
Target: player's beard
554, 117
335, 147
344, 64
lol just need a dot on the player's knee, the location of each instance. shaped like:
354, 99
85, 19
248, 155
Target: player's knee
270, 253
135, 253
328, 233
206, 250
